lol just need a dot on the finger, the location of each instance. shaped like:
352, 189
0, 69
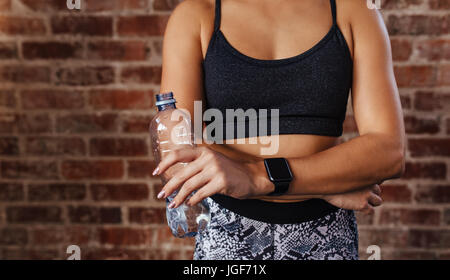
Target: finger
376, 189
196, 182
204, 192
175, 156
375, 200
180, 178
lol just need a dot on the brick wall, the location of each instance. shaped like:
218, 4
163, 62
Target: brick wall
76, 97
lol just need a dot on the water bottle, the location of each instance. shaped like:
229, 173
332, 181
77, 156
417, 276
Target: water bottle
171, 129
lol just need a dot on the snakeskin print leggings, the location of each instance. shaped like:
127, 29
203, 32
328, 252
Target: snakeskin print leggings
231, 236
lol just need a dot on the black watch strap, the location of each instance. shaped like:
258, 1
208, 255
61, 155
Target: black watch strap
280, 188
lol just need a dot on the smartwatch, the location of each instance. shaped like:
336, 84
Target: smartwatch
279, 174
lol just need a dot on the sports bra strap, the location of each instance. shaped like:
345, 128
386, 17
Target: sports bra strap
217, 16
333, 10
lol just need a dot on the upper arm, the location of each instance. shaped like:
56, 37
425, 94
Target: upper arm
375, 97
182, 54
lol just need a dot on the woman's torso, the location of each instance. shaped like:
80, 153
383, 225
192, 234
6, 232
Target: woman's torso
287, 28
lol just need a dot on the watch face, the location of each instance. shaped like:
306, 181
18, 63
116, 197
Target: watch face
278, 169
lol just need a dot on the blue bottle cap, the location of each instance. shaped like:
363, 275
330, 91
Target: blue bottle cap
164, 98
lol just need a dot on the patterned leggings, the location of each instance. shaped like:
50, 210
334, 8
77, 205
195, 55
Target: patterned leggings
234, 237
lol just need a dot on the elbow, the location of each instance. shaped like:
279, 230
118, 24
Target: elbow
398, 163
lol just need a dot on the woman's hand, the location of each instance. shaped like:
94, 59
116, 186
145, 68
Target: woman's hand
363, 200
209, 172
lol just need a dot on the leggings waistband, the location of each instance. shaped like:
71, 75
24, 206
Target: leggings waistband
274, 212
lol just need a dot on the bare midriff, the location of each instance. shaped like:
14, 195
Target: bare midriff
289, 146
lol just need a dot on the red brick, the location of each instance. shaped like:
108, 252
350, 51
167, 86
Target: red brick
84, 123
11, 192
31, 254
405, 101
434, 50
447, 216
51, 235
383, 237
84, 169
401, 49
94, 215
24, 74
414, 125
9, 146
118, 147
13, 25
121, 99
439, 238
395, 193
113, 5
414, 76
8, 122
429, 147
408, 254
141, 168
37, 170
400, 5
118, 50
119, 192
114, 254
443, 256
45, 5
141, 75
82, 25
444, 75
33, 214
13, 236
403, 216
158, 254
426, 170
363, 218
7, 99
39, 123
165, 5
439, 4
56, 192
147, 215
417, 25
52, 99
125, 236
432, 101
136, 123
8, 50
51, 50
448, 126
433, 194
85, 76
148, 25
51, 146
164, 237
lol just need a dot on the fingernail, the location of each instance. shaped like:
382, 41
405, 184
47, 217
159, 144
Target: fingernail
171, 205
155, 171
161, 194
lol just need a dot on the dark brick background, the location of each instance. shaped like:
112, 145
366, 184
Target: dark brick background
76, 97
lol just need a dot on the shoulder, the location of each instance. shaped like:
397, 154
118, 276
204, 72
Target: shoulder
360, 13
190, 14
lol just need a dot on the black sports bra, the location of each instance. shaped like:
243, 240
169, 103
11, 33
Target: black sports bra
310, 89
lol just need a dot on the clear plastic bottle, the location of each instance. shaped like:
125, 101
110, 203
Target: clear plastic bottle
171, 129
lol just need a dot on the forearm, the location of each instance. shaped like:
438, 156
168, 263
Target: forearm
362, 161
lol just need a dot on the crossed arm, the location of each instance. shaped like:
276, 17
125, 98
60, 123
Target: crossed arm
377, 154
